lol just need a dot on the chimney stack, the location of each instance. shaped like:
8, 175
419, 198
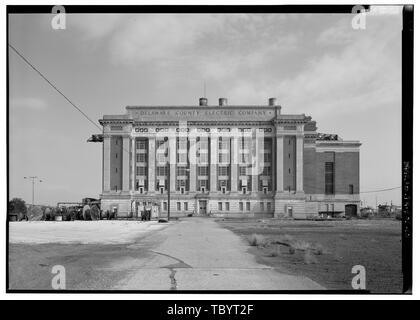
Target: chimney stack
272, 102
203, 102
222, 102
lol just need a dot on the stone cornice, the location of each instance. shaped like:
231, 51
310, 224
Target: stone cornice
290, 121
117, 134
344, 143
115, 121
204, 123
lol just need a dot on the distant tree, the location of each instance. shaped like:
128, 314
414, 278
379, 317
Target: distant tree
17, 205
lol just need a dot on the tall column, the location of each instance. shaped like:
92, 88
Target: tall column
172, 161
151, 164
126, 164
213, 161
106, 164
273, 164
299, 162
133, 164
279, 163
234, 154
192, 153
255, 158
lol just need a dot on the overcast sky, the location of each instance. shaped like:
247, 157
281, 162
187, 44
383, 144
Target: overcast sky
348, 80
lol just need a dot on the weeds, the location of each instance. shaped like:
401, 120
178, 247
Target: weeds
257, 240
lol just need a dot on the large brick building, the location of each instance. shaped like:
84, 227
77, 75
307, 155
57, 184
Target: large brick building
226, 160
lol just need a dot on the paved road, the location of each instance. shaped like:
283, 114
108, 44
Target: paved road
198, 254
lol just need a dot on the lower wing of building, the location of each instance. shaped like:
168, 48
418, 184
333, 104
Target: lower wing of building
226, 161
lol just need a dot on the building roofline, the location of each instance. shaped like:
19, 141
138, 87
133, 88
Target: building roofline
130, 107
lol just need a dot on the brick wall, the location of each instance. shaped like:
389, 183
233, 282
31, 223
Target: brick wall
346, 171
309, 170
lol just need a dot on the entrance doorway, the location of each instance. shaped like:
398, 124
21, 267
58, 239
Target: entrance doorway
351, 210
202, 205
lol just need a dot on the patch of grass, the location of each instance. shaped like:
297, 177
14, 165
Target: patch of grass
257, 240
300, 245
275, 252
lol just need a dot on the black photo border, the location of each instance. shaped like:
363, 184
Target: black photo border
406, 134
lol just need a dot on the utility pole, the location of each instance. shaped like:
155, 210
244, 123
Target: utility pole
33, 178
169, 186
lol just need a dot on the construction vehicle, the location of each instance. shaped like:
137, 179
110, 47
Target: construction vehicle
87, 209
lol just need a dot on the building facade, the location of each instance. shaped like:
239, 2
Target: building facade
227, 161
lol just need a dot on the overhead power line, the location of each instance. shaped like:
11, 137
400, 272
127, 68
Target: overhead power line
372, 191
52, 85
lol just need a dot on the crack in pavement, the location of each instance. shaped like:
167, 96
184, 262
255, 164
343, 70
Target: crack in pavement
180, 264
172, 267
172, 277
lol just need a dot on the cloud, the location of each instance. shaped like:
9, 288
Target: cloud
35, 104
94, 26
363, 71
159, 38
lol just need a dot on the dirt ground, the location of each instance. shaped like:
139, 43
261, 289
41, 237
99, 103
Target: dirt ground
85, 248
374, 244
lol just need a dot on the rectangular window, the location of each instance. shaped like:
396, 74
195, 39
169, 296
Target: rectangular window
220, 206
245, 158
262, 206
203, 183
248, 206
141, 171
141, 144
141, 157
351, 191
203, 171
223, 171
178, 206
227, 206
161, 171
223, 158
186, 206
242, 171
182, 157
266, 171
241, 206
203, 158
329, 177
181, 171
268, 206
165, 206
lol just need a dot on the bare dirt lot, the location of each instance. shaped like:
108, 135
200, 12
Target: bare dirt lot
85, 248
336, 246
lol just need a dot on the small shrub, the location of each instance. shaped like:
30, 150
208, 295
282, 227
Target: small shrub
318, 249
286, 238
257, 240
275, 252
309, 258
301, 245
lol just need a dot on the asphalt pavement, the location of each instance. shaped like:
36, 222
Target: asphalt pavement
198, 254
